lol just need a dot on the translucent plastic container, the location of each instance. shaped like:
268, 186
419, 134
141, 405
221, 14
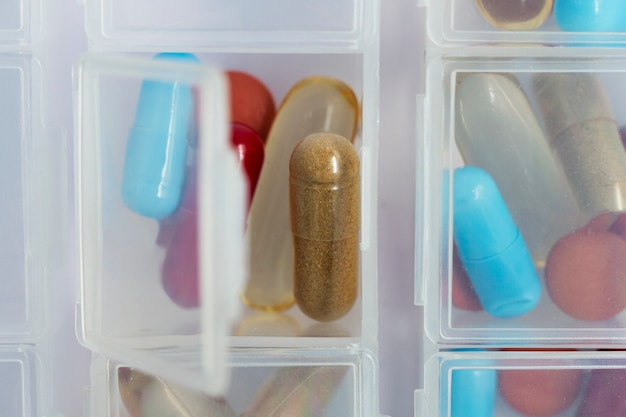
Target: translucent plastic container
20, 23
346, 24
126, 315
21, 381
522, 384
325, 383
512, 118
459, 22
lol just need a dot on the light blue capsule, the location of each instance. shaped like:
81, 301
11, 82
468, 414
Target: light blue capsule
591, 15
491, 247
156, 151
473, 392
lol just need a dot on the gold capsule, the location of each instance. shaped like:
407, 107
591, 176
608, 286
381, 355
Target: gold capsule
325, 217
515, 14
315, 104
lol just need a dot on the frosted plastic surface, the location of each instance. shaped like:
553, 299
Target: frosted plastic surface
219, 23
12, 388
14, 281
11, 15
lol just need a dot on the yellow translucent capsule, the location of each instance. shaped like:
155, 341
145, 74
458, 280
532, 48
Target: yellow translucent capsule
515, 14
315, 104
325, 219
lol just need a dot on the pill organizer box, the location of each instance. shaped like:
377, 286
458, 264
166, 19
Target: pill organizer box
121, 313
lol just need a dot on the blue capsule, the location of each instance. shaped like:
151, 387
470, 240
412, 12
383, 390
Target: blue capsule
591, 15
491, 247
156, 151
473, 392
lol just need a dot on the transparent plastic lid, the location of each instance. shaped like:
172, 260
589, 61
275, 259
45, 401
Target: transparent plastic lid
244, 23
30, 156
20, 21
161, 215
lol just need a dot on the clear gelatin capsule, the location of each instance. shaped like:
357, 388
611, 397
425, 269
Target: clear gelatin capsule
590, 15
315, 104
146, 396
297, 391
515, 14
156, 151
583, 134
497, 130
324, 185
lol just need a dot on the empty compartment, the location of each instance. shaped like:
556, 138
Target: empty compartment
20, 22
19, 379
327, 23
27, 185
529, 156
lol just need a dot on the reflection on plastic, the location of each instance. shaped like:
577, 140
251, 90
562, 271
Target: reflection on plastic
316, 104
156, 151
496, 130
147, 396
491, 247
324, 192
584, 136
515, 14
540, 392
472, 393
297, 391
590, 16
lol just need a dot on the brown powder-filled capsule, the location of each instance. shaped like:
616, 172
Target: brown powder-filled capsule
325, 217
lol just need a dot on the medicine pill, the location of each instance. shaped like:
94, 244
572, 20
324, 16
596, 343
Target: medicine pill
473, 393
586, 274
604, 396
515, 14
251, 103
297, 391
584, 136
325, 218
315, 104
179, 274
590, 15
147, 396
496, 130
540, 392
156, 150
491, 247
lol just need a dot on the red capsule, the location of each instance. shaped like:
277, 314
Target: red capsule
251, 154
251, 103
179, 274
